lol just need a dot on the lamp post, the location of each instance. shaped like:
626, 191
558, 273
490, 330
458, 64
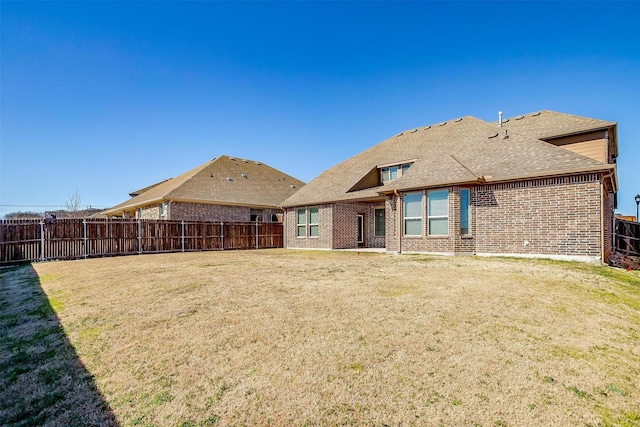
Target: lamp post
637, 199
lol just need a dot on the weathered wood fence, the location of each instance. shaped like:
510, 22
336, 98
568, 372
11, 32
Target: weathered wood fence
627, 237
40, 240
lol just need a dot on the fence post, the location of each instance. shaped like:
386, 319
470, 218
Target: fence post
84, 237
182, 239
41, 240
221, 235
257, 235
139, 237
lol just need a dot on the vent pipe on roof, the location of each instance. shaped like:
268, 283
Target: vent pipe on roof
500, 119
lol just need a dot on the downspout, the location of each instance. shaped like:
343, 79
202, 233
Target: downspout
602, 254
398, 221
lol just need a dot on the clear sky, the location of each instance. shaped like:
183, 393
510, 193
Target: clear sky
108, 97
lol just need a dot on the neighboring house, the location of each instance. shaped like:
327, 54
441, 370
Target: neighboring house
541, 184
223, 189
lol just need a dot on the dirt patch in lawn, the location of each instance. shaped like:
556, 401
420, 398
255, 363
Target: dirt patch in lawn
339, 338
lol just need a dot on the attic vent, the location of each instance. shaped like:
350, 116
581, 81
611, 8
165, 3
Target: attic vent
520, 118
493, 136
459, 120
229, 178
292, 186
244, 175
536, 114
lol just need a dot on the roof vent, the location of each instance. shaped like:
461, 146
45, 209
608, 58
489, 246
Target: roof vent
233, 159
459, 120
428, 127
246, 161
211, 175
499, 119
506, 134
400, 134
536, 114
520, 118
244, 175
443, 123
493, 136
258, 163
414, 131
292, 186
229, 178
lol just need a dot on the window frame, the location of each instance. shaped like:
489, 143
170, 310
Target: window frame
375, 222
302, 225
430, 216
468, 213
406, 218
313, 225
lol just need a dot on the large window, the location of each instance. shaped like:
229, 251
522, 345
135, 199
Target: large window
301, 216
313, 222
379, 226
413, 214
464, 211
438, 212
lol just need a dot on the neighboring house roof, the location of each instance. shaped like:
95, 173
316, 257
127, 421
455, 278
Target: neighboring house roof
464, 150
148, 187
223, 180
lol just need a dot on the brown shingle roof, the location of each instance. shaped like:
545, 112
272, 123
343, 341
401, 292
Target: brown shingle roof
455, 152
223, 180
547, 124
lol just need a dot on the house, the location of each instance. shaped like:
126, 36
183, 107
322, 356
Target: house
539, 185
224, 189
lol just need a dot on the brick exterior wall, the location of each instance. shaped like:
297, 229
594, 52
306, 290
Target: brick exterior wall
564, 216
179, 211
338, 227
556, 216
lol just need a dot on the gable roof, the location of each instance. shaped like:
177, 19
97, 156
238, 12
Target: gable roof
223, 180
460, 151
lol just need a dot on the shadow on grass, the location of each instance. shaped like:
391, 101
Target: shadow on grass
42, 380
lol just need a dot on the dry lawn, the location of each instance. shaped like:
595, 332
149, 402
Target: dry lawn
302, 338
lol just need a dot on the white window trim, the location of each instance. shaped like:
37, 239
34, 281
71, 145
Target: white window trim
299, 225
310, 224
429, 217
405, 217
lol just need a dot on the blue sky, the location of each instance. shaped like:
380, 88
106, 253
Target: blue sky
108, 97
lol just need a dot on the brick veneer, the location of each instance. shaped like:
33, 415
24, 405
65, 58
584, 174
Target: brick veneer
208, 212
563, 216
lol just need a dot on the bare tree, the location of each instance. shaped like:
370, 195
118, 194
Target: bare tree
72, 206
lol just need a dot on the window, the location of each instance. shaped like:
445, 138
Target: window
313, 222
379, 226
464, 211
390, 173
413, 214
438, 212
301, 220
163, 209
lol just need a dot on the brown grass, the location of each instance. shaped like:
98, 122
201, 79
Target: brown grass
281, 337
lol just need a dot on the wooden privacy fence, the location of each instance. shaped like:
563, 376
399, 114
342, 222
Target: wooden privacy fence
40, 240
626, 237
